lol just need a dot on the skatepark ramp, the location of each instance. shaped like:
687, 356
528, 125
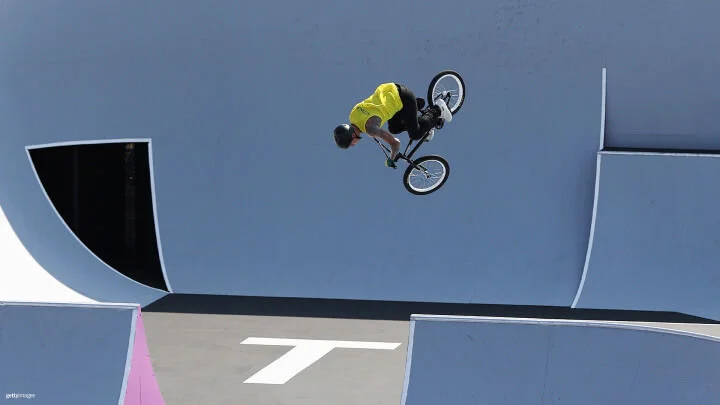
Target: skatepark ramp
75, 354
654, 238
512, 225
250, 200
44, 263
59, 346
468, 360
21, 276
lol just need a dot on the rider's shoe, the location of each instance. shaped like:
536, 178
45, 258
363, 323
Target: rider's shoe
436, 112
431, 134
433, 114
445, 113
390, 163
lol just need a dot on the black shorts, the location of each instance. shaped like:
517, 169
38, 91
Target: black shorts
407, 118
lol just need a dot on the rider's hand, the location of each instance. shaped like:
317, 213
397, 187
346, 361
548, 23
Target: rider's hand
395, 148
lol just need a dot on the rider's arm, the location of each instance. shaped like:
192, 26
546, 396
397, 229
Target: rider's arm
372, 127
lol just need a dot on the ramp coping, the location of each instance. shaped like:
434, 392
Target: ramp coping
564, 322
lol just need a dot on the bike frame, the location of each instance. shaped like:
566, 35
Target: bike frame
405, 156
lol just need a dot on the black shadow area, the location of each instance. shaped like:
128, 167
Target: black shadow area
388, 310
103, 193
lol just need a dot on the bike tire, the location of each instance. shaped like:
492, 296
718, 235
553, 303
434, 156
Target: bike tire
424, 191
460, 96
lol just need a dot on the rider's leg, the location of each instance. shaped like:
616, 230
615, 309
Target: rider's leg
396, 125
416, 126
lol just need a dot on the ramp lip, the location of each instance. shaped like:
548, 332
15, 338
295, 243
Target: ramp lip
591, 237
651, 153
28, 148
129, 356
97, 305
563, 322
156, 215
603, 107
588, 252
408, 363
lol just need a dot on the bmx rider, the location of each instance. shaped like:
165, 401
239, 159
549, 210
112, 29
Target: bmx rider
397, 105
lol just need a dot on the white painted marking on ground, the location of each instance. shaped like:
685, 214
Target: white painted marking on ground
304, 353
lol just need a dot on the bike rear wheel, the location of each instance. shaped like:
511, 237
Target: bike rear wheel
449, 86
432, 174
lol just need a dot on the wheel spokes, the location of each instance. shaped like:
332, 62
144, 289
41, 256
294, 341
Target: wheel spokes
455, 92
426, 177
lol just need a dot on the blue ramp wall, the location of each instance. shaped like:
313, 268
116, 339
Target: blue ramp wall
463, 360
662, 85
655, 239
239, 99
50, 242
65, 354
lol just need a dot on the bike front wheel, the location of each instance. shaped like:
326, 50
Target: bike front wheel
449, 86
426, 175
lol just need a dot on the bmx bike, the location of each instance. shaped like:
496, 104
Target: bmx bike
420, 168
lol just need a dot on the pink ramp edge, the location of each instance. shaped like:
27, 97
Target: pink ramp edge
142, 386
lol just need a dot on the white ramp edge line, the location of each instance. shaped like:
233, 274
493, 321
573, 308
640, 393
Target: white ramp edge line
305, 352
603, 108
625, 325
128, 357
22, 278
86, 142
664, 154
591, 237
92, 305
408, 363
156, 214
67, 227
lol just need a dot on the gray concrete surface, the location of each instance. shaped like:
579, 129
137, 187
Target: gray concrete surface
199, 358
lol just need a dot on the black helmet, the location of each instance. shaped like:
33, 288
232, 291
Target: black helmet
343, 135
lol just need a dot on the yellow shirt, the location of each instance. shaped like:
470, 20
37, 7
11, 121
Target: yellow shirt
384, 103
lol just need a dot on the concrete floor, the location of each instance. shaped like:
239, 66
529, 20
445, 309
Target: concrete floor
199, 356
